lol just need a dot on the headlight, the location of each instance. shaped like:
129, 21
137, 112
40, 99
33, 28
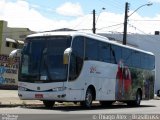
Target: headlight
59, 89
22, 88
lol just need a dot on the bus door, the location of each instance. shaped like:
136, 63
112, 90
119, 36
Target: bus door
75, 82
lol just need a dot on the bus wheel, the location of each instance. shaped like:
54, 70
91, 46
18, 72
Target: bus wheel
48, 104
137, 101
88, 99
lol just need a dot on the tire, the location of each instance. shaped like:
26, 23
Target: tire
137, 101
106, 103
48, 104
88, 99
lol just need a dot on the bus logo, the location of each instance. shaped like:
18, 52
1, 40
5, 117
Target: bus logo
38, 88
93, 69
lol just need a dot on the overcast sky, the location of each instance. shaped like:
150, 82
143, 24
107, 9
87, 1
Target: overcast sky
42, 15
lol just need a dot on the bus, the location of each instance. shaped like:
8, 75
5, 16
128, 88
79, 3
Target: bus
71, 66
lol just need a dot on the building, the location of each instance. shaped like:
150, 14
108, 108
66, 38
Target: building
149, 43
10, 39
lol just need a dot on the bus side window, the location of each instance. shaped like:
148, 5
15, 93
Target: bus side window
104, 52
116, 54
91, 49
76, 59
152, 62
136, 61
127, 56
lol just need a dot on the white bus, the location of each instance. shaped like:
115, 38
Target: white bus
82, 67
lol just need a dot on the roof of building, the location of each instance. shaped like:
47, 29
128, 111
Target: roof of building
14, 41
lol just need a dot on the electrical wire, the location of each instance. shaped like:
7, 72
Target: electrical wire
146, 20
110, 26
115, 4
137, 29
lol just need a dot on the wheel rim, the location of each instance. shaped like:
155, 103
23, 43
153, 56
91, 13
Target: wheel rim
88, 98
138, 99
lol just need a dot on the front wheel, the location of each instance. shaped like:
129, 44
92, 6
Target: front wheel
88, 99
48, 104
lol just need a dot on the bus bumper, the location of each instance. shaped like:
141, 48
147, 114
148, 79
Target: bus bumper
55, 96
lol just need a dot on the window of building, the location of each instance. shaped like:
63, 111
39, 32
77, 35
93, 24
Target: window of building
7, 44
14, 45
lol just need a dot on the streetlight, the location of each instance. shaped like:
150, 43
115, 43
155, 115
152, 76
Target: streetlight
94, 19
100, 13
148, 4
126, 18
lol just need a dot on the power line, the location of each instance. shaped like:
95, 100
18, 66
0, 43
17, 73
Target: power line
146, 20
110, 26
117, 28
137, 29
115, 4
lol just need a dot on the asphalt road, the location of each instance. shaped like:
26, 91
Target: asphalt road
38, 112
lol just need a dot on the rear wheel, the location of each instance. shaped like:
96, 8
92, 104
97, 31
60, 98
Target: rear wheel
88, 99
137, 101
48, 104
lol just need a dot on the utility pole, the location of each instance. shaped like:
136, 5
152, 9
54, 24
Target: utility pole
125, 24
94, 22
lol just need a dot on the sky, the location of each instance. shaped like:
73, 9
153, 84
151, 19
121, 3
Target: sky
44, 15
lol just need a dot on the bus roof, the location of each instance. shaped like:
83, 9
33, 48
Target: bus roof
90, 35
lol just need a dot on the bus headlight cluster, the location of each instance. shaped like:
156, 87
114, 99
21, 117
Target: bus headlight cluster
59, 89
22, 88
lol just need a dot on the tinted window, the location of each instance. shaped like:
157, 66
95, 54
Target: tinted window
76, 61
91, 49
147, 61
151, 63
104, 52
116, 54
136, 61
42, 59
127, 56
144, 61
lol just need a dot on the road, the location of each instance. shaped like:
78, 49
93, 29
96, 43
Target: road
70, 112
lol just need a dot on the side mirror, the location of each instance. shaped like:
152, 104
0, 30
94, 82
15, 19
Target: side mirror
15, 53
66, 54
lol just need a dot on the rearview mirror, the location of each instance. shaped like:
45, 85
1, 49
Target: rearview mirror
66, 54
15, 53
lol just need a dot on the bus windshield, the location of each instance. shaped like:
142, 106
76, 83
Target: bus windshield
42, 59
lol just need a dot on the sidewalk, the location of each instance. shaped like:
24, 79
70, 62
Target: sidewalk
10, 97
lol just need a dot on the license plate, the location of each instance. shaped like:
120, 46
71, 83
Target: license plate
38, 95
